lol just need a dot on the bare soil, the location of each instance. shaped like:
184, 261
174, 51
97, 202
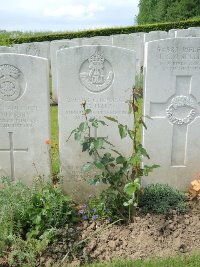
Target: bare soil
148, 236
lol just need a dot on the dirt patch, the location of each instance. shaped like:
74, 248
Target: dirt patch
148, 236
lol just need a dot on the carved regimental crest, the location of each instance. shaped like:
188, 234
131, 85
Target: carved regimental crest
33, 50
182, 110
11, 83
96, 73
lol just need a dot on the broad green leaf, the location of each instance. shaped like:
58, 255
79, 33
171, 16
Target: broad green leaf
148, 169
95, 124
83, 126
103, 123
91, 145
143, 151
88, 166
77, 136
111, 119
98, 143
85, 146
120, 160
122, 130
99, 165
87, 111
131, 188
73, 131
135, 159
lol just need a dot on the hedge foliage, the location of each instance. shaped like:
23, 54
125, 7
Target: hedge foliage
106, 32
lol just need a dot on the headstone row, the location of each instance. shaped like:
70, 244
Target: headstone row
102, 75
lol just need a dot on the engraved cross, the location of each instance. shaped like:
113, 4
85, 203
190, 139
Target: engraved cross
11, 149
180, 109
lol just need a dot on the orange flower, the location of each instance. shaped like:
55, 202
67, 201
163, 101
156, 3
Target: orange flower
47, 141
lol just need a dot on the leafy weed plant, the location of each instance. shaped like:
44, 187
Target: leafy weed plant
30, 217
120, 173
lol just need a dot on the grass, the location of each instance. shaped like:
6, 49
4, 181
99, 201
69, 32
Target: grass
55, 140
181, 261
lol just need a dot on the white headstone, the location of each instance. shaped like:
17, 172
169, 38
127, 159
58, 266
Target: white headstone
97, 40
133, 43
195, 28
155, 35
187, 33
171, 33
24, 117
140, 34
172, 99
54, 47
38, 49
6, 49
103, 76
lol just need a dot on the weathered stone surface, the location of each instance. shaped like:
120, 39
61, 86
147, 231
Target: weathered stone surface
97, 40
187, 33
38, 49
172, 99
54, 47
155, 35
6, 49
103, 76
24, 117
171, 33
131, 42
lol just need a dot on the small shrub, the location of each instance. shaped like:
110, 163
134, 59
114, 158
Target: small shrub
162, 199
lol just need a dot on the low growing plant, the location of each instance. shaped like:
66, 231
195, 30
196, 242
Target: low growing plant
48, 208
120, 173
30, 217
162, 199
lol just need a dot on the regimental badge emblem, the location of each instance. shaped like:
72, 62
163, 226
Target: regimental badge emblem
179, 104
11, 80
32, 50
96, 73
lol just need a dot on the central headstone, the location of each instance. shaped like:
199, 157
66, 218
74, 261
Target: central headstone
103, 76
172, 99
24, 117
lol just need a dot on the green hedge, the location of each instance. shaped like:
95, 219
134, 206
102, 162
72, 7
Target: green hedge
106, 32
